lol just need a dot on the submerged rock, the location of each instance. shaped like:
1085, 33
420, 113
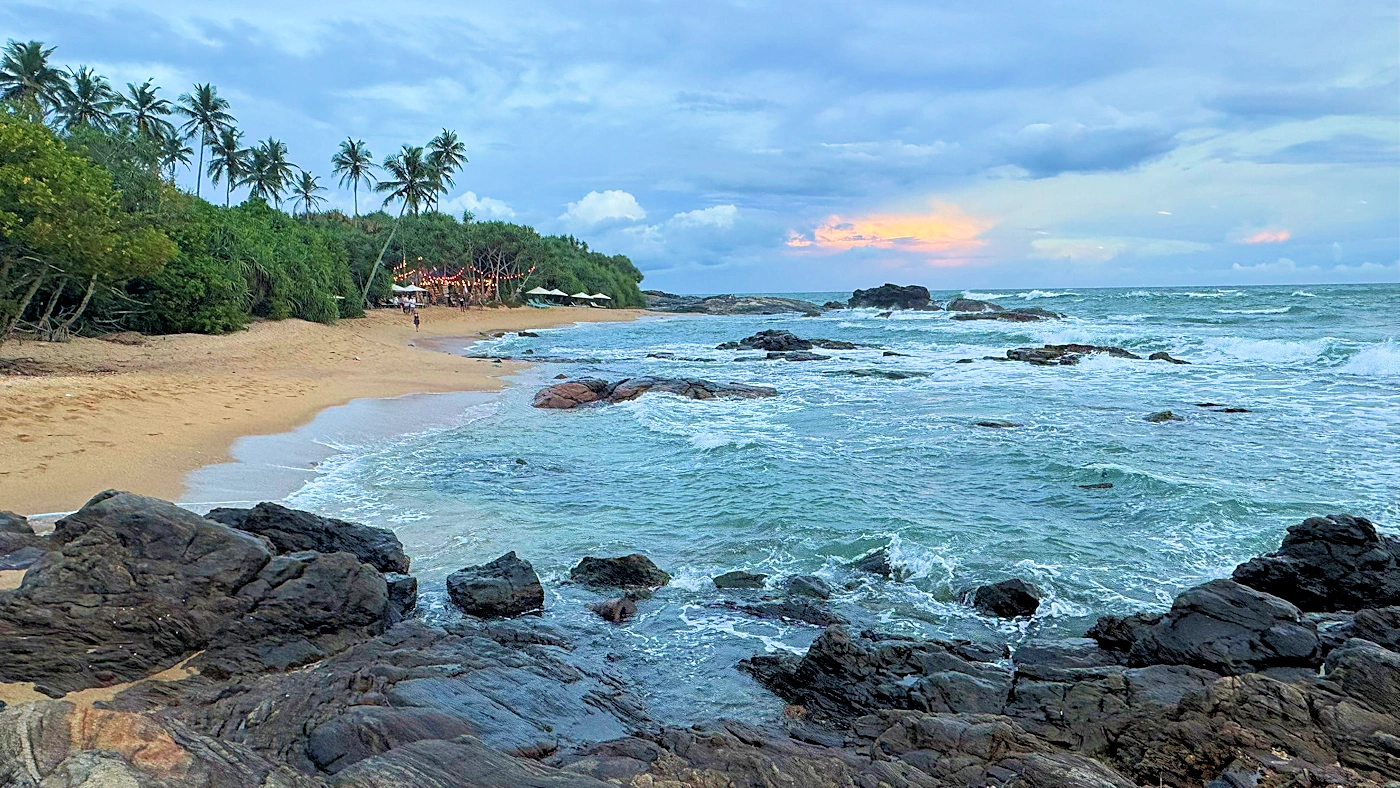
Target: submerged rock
779, 341
573, 393
614, 610
292, 530
887, 374
972, 305
797, 355
794, 608
1163, 356
807, 585
1162, 417
1063, 355
740, 579
1338, 562
507, 586
995, 424
876, 562
888, 296
1097, 486
628, 572
1023, 315
1007, 599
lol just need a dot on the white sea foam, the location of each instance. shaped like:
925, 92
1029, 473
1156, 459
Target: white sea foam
1045, 294
1376, 361
1273, 310
1304, 293
985, 296
1271, 351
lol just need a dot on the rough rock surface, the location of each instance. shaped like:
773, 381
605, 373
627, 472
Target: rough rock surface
888, 296
777, 340
740, 579
1162, 417
507, 586
1063, 355
1338, 562
659, 301
876, 562
973, 305
11, 523
583, 391
1164, 356
807, 585
1007, 599
1230, 629
292, 530
628, 572
1022, 315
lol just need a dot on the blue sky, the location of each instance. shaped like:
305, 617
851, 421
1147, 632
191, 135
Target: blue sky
781, 146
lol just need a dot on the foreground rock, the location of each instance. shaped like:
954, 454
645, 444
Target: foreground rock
659, 301
1007, 599
292, 530
740, 579
158, 583
888, 296
1063, 355
972, 305
571, 394
505, 587
784, 342
629, 572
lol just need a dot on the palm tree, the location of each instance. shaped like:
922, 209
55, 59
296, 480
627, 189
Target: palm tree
446, 155
173, 151
145, 112
87, 100
353, 163
227, 160
268, 173
207, 115
26, 76
304, 193
410, 178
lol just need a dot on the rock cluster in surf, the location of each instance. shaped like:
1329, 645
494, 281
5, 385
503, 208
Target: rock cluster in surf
584, 391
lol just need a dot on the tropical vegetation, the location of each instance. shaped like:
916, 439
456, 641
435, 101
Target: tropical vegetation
96, 235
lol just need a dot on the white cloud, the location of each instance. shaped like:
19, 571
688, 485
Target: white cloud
1279, 266
716, 216
598, 207
1367, 267
1099, 250
481, 207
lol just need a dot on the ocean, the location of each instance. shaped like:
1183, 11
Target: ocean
840, 464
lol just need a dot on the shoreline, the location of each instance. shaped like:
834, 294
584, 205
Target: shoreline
145, 417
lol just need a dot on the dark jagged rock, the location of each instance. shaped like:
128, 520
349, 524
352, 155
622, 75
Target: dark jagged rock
1368, 673
1338, 562
885, 314
727, 304
1118, 634
1022, 315
11, 523
1097, 486
1162, 417
794, 608
1379, 625
876, 562
1163, 356
797, 355
1228, 628
292, 530
779, 341
530, 334
807, 585
888, 296
507, 586
403, 596
366, 731
1007, 599
23, 558
740, 579
583, 391
614, 610
627, 572
972, 305
841, 677
995, 424
830, 305
1064, 355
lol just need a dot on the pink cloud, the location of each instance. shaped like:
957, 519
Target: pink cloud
1266, 237
944, 235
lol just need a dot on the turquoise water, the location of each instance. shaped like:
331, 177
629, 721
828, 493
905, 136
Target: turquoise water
838, 465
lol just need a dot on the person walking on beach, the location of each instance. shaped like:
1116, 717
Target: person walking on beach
415, 320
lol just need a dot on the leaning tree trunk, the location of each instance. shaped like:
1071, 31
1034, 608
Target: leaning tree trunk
43, 324
62, 331
23, 305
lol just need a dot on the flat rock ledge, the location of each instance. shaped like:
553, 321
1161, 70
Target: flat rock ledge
584, 391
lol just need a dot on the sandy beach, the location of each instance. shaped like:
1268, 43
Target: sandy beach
140, 417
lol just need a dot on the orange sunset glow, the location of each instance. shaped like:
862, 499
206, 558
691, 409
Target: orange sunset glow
942, 233
1267, 237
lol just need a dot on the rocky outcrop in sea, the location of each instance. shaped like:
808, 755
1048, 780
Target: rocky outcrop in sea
658, 301
584, 391
888, 296
1285, 675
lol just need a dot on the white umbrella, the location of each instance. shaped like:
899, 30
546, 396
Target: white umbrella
580, 294
539, 291
558, 292
602, 296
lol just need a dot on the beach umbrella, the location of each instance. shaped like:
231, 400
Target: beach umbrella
558, 292
601, 296
581, 294
539, 291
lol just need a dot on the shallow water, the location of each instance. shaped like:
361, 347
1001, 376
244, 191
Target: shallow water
837, 465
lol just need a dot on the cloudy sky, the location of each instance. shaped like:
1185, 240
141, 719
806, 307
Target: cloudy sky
758, 146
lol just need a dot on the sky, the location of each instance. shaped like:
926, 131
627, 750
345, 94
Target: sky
751, 146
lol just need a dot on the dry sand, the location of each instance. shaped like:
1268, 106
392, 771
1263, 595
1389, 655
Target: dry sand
141, 417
